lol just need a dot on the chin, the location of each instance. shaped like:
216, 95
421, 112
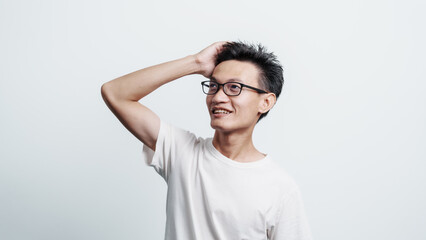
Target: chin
221, 127
227, 127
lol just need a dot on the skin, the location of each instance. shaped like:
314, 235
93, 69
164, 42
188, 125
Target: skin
233, 135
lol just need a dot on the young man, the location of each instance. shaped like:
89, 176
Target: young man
219, 188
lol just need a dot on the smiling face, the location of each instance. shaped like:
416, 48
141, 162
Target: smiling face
235, 113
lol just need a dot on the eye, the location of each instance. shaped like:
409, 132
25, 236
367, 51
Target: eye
212, 85
234, 87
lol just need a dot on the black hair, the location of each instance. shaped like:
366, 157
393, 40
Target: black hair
271, 71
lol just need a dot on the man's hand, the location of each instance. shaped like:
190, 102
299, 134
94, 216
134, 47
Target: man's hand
206, 59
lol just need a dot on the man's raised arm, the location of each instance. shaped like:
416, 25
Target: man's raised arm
122, 94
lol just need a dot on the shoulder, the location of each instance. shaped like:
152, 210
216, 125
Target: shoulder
178, 136
169, 129
281, 179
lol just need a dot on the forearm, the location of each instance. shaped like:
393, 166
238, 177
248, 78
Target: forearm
138, 84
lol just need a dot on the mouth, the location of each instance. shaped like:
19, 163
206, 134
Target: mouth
220, 111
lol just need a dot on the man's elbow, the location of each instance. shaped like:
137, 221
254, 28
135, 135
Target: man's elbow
106, 92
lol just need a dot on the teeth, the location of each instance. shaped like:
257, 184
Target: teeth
220, 111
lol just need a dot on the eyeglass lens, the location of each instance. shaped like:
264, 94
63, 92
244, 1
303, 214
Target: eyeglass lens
231, 89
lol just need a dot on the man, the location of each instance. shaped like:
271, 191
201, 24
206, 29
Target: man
219, 188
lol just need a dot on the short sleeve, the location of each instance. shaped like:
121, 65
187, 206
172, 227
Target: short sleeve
291, 222
170, 144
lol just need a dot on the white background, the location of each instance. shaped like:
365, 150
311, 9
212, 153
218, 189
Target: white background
350, 126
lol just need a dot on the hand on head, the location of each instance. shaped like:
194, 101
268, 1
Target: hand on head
206, 58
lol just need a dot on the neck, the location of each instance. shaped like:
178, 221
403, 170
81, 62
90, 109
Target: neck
237, 146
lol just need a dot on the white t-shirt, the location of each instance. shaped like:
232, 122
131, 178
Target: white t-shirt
210, 196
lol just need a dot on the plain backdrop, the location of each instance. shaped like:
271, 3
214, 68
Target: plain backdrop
350, 126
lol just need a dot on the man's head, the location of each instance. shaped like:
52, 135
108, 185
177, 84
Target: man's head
270, 70
244, 86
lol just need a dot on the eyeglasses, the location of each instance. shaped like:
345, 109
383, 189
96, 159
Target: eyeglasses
229, 88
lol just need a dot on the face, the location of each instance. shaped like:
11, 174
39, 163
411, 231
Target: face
235, 113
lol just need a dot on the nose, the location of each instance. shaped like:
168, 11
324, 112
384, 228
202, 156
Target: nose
220, 96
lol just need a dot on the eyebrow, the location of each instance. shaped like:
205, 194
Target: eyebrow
230, 80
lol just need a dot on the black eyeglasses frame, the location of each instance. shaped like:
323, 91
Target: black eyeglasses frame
206, 83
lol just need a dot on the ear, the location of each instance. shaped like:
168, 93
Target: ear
267, 102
